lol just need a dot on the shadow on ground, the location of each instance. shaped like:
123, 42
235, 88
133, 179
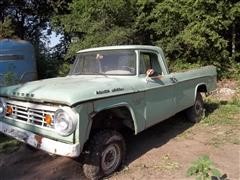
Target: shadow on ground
211, 107
155, 136
27, 164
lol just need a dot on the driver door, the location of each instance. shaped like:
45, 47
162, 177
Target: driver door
159, 97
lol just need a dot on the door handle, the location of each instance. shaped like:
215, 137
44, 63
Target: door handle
173, 79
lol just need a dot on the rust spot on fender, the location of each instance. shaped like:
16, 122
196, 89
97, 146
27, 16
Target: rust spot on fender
39, 140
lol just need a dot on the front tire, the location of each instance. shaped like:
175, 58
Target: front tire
104, 154
197, 111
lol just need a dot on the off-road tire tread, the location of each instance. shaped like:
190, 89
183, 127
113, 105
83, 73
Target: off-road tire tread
191, 114
93, 150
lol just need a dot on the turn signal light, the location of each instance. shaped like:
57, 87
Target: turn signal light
48, 119
9, 110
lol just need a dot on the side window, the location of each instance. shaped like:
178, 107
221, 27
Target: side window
149, 61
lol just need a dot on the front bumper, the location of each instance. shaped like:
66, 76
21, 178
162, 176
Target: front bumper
39, 142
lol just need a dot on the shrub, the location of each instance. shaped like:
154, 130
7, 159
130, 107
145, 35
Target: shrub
203, 169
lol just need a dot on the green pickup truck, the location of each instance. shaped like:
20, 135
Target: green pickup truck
108, 90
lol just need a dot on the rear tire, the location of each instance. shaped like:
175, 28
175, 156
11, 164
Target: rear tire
197, 111
104, 154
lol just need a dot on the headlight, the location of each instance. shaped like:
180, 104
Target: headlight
2, 107
65, 121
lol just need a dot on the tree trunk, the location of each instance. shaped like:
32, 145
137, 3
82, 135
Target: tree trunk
233, 41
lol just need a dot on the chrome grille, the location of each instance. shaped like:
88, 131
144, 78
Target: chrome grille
30, 113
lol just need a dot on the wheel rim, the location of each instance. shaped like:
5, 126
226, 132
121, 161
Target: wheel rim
111, 158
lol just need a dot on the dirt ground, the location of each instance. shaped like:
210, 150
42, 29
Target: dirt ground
164, 151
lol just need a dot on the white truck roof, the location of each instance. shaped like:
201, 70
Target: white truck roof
139, 47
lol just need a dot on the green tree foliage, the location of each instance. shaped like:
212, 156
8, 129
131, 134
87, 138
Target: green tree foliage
6, 28
96, 23
191, 31
104, 22
197, 31
30, 20
27, 19
203, 169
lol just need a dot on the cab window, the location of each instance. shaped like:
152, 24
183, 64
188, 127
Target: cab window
149, 61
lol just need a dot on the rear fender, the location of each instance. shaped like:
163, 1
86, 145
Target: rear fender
201, 87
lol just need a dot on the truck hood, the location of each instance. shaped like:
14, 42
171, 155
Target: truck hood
69, 90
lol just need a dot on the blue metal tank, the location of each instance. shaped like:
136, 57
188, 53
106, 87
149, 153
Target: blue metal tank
17, 57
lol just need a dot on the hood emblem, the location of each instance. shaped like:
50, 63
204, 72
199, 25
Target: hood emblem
117, 89
108, 90
23, 94
103, 91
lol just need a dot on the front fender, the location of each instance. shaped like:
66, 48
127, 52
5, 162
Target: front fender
135, 103
121, 104
84, 124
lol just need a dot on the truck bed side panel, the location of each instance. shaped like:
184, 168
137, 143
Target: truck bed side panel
188, 82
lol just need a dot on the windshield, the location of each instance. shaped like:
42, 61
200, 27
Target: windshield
108, 62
